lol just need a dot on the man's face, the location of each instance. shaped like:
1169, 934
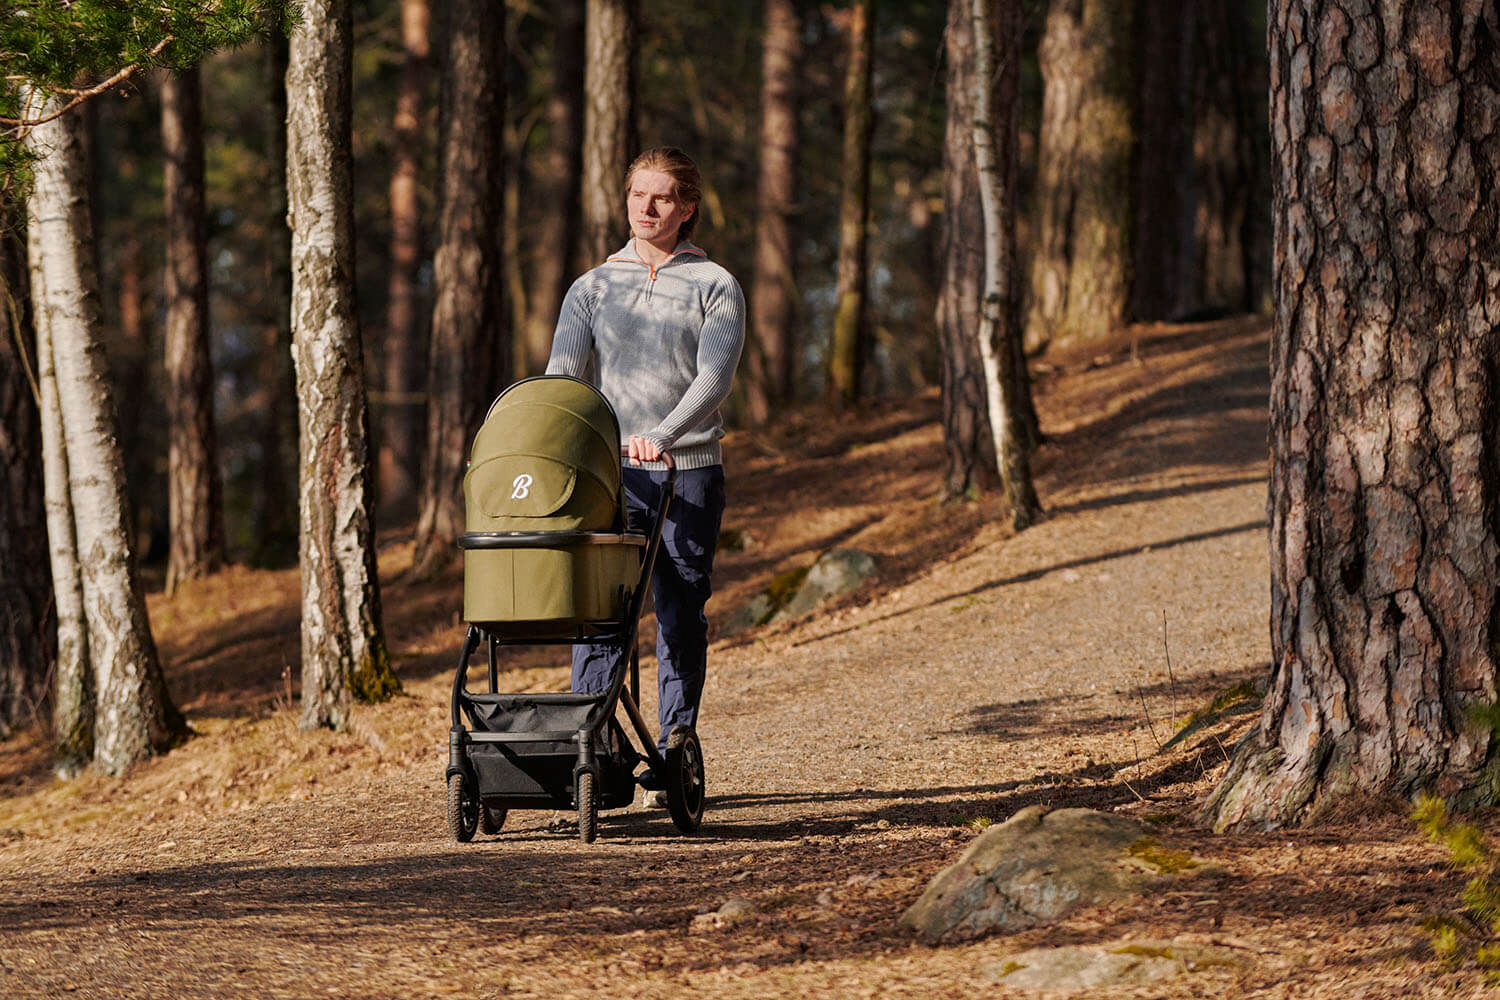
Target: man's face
655, 211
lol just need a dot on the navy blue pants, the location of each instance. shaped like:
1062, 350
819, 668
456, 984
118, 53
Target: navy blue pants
680, 586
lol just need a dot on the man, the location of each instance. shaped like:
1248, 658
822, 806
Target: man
659, 328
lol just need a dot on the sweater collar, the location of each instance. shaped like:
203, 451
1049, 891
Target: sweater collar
629, 252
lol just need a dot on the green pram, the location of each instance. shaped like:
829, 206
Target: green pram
548, 559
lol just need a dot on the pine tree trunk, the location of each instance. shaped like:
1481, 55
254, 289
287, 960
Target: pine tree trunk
847, 351
469, 322
28, 625
1231, 151
995, 128
343, 648
773, 296
1060, 59
1165, 191
1100, 265
1385, 414
276, 501
969, 459
73, 684
608, 123
194, 502
563, 167
405, 347
134, 716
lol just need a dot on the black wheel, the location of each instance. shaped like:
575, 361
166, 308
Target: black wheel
463, 809
685, 779
491, 819
588, 807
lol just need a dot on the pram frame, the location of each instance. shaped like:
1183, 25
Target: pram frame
623, 630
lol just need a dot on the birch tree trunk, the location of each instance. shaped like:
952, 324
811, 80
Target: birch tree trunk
609, 138
772, 350
405, 347
343, 648
73, 683
28, 625
194, 498
1385, 413
470, 328
134, 716
562, 223
995, 129
847, 350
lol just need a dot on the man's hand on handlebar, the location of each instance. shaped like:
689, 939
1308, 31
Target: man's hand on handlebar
644, 450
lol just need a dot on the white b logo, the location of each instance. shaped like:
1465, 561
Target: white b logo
522, 486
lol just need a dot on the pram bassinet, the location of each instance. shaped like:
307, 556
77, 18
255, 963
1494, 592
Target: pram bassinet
547, 460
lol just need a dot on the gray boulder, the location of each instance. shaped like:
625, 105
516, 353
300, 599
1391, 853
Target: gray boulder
798, 591
837, 571
1037, 867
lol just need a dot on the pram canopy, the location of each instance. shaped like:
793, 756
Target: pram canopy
546, 459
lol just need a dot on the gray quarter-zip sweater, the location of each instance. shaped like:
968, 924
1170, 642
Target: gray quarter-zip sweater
661, 344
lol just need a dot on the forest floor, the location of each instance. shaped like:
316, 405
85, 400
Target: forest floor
852, 753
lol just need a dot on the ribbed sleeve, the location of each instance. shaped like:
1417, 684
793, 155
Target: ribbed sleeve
573, 340
719, 347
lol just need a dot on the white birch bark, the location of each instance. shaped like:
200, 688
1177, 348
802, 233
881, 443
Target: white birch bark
73, 689
343, 648
997, 303
134, 718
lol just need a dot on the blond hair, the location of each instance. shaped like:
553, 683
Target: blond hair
680, 167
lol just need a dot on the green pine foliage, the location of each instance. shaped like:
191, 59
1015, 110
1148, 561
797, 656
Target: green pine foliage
75, 47
1477, 933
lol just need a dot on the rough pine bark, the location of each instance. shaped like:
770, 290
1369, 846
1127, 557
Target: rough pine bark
563, 220
608, 123
847, 349
1164, 283
1059, 57
194, 501
343, 647
968, 449
276, 500
1100, 264
134, 716
995, 128
1232, 225
405, 348
470, 332
28, 626
1385, 412
773, 294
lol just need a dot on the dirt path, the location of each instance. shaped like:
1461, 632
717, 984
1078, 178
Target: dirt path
851, 754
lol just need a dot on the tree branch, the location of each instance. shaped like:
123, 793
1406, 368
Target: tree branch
83, 95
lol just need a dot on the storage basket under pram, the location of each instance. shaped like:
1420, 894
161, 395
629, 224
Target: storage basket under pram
548, 559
